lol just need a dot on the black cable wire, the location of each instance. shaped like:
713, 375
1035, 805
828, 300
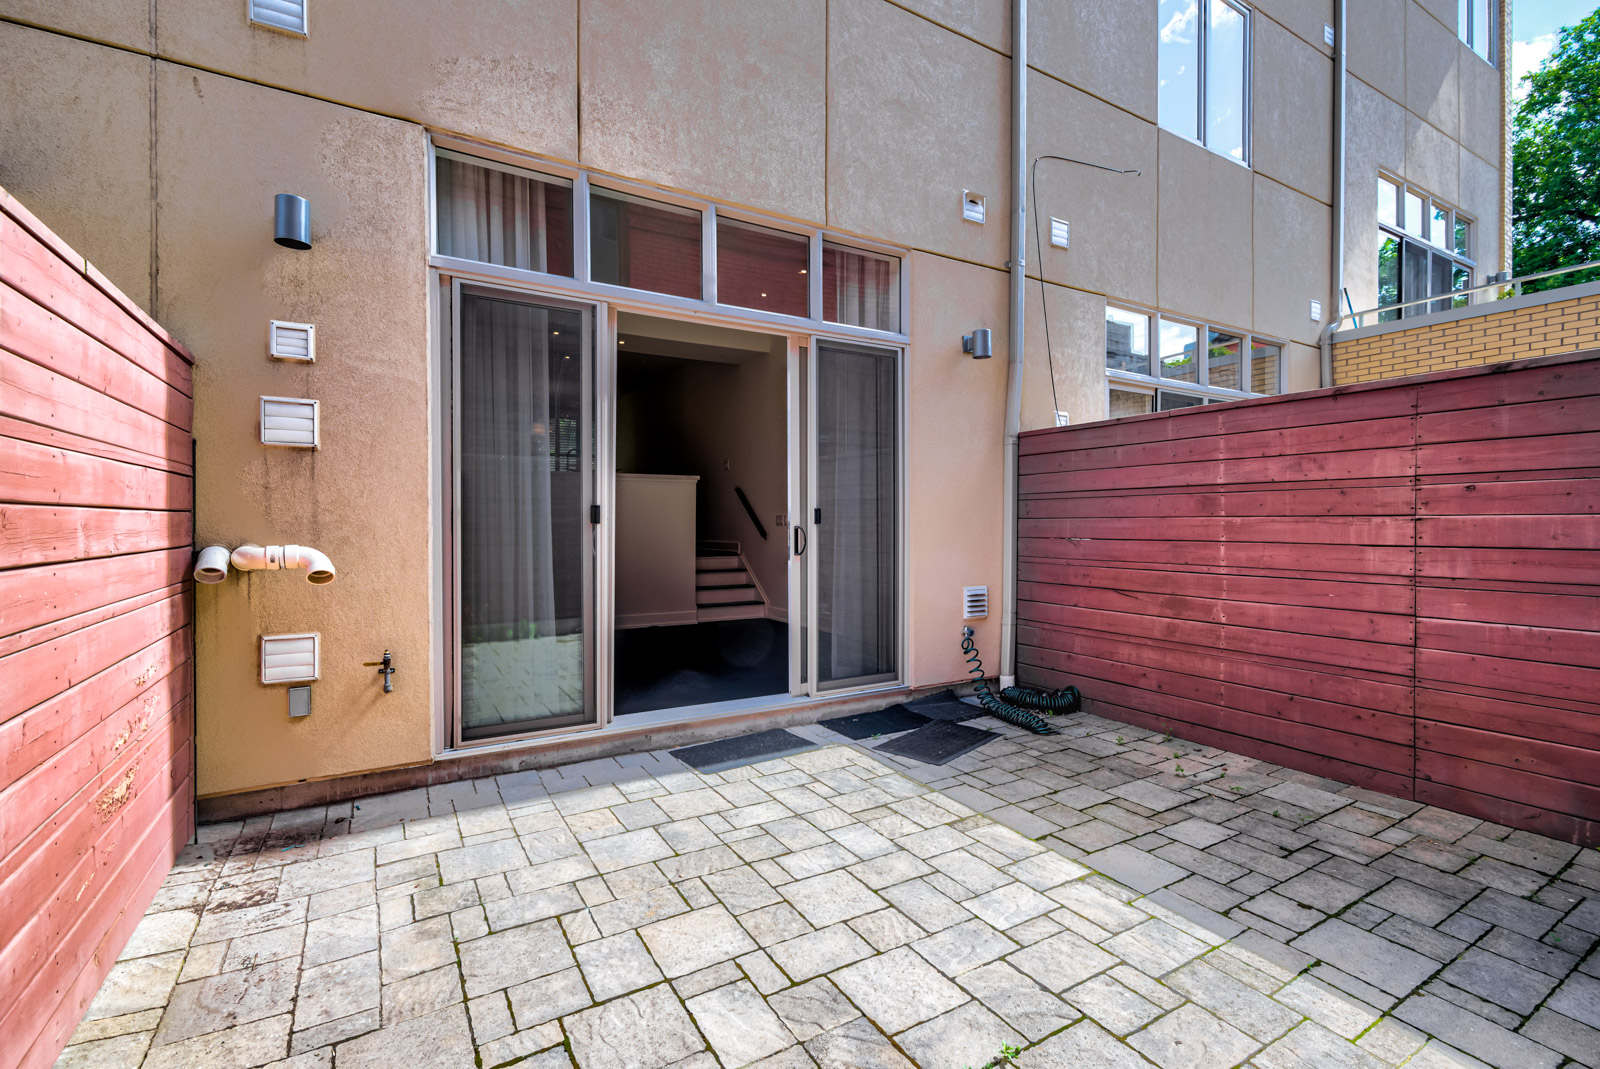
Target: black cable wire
1044, 306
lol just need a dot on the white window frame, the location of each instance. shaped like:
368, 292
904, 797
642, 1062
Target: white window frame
1204, 52
1424, 238
1134, 382
582, 286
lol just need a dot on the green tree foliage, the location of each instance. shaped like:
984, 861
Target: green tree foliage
1555, 206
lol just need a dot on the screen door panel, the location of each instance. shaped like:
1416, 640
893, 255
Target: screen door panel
525, 543
855, 516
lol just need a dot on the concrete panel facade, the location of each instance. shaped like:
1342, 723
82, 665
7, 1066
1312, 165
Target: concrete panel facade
156, 145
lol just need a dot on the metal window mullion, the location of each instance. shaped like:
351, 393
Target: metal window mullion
1202, 66
814, 279
708, 254
580, 228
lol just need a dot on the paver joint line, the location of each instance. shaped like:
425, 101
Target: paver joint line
1106, 896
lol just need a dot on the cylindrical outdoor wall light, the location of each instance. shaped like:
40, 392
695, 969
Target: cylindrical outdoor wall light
977, 343
291, 221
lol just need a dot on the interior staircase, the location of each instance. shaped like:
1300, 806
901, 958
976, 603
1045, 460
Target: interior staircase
724, 589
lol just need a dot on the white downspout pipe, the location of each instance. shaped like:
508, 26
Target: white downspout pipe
1019, 293
1336, 265
252, 558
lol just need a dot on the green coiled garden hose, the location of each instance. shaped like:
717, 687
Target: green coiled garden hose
1011, 714
1065, 700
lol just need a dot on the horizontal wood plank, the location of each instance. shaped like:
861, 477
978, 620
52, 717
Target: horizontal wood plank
48, 534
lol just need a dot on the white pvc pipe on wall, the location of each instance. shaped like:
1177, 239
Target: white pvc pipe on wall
212, 565
253, 558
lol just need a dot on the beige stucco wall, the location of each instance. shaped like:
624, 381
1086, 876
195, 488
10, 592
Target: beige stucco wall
157, 152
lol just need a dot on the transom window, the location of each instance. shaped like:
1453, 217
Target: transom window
681, 250
1203, 73
1156, 363
1425, 249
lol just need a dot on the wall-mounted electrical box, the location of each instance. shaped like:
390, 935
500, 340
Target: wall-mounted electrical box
285, 16
1060, 233
291, 658
973, 206
974, 602
299, 701
292, 341
292, 421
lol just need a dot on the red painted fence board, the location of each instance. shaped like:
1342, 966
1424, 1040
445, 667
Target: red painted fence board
1396, 585
96, 542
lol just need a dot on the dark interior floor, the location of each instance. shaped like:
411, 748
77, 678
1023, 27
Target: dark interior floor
668, 667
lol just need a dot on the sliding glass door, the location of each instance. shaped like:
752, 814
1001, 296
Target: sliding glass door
523, 403
852, 475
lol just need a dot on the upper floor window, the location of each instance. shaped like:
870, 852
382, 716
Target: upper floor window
1157, 362
1203, 73
1424, 250
1476, 22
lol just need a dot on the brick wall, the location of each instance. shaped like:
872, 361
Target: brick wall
1539, 324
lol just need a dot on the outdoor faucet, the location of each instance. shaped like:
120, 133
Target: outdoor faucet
386, 671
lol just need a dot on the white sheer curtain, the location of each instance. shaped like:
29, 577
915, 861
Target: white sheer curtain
857, 542
491, 216
863, 289
520, 531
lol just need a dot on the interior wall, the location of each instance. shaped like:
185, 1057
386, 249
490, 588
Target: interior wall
726, 423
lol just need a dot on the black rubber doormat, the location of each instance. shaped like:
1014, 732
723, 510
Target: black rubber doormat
938, 743
742, 750
888, 721
945, 706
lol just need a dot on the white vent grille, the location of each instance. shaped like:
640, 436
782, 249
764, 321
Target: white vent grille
973, 206
289, 16
974, 602
292, 341
291, 658
290, 421
1060, 233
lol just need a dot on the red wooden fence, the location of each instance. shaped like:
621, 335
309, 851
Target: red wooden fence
96, 723
1396, 585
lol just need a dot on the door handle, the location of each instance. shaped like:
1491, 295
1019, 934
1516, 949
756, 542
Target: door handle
799, 540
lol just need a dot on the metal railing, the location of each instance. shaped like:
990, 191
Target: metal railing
1515, 284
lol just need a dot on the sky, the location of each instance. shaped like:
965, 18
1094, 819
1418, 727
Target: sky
1535, 25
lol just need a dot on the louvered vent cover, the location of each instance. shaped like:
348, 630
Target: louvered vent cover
292, 341
1060, 233
290, 658
286, 15
289, 421
974, 601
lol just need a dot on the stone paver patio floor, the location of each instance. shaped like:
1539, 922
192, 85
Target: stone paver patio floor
1105, 897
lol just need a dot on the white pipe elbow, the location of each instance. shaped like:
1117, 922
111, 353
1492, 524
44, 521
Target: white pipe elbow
319, 569
253, 558
212, 566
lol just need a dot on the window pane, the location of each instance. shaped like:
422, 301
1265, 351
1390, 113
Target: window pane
1439, 231
1460, 279
1167, 400
860, 289
1264, 361
759, 267
1414, 216
1388, 202
1440, 282
1127, 341
1463, 238
1128, 403
644, 244
1178, 66
1225, 77
1223, 352
1414, 278
1178, 345
1388, 275
501, 217
1482, 32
